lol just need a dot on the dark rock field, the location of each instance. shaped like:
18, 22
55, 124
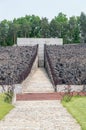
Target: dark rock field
16, 63
67, 63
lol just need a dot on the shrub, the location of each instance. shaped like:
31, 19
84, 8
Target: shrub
67, 95
67, 98
8, 96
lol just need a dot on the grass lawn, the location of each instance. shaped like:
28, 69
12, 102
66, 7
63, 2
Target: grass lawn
4, 107
77, 107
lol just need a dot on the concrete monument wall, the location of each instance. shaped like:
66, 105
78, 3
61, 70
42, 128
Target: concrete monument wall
40, 42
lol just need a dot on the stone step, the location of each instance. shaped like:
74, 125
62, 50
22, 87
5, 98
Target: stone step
44, 96
38, 96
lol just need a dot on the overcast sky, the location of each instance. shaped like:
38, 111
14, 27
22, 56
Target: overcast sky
10, 9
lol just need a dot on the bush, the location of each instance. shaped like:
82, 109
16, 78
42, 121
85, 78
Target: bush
8, 96
67, 98
68, 95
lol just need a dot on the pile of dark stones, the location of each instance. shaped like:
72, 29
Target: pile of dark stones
16, 63
67, 63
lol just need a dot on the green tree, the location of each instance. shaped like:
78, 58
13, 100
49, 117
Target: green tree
53, 28
83, 27
73, 30
35, 26
25, 27
4, 28
44, 29
62, 24
14, 28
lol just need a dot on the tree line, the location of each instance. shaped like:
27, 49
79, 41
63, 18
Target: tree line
72, 30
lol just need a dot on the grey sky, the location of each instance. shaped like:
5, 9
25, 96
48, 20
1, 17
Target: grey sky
43, 8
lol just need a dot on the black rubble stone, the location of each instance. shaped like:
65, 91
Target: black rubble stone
16, 63
67, 63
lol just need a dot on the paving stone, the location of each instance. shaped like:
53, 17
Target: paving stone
39, 115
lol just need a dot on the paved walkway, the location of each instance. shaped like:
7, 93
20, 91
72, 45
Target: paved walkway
39, 115
38, 83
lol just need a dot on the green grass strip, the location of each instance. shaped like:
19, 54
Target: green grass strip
4, 107
77, 107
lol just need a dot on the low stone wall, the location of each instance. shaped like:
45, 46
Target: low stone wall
71, 88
